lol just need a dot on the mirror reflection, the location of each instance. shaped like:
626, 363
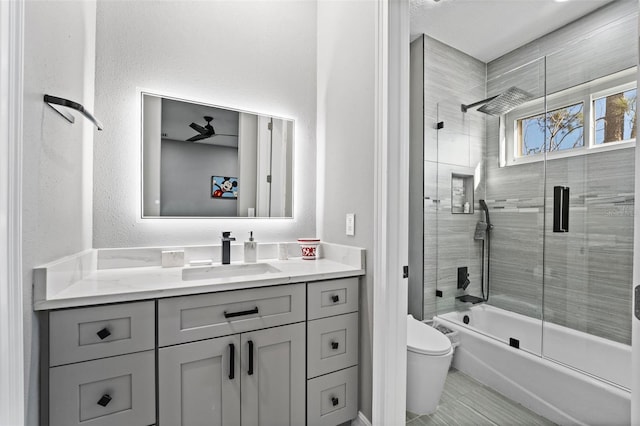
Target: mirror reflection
201, 160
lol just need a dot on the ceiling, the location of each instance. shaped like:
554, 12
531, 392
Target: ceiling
178, 114
487, 29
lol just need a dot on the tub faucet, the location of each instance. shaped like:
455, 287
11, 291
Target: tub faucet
226, 247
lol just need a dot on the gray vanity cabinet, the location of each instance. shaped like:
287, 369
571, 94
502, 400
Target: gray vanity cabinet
253, 377
275, 355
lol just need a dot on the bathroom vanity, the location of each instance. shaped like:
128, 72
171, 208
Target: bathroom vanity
278, 345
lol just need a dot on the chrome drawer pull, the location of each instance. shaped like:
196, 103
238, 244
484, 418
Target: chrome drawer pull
104, 333
105, 400
242, 313
334, 345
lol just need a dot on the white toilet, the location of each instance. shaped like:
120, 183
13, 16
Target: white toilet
429, 354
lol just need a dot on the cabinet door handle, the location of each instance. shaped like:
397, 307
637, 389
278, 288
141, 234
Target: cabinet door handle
334, 401
241, 313
335, 298
250, 372
105, 400
232, 361
334, 345
104, 333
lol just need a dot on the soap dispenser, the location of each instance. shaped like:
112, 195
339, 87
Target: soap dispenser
250, 250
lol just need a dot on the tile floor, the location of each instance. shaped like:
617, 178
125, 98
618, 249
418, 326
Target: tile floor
466, 402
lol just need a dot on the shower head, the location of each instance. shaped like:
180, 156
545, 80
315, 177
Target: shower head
502, 103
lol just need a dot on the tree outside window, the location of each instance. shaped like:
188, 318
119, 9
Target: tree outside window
615, 117
557, 130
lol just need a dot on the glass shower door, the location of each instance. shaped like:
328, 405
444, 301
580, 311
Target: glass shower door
589, 196
513, 195
457, 180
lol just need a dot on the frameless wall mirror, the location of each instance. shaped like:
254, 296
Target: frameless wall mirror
202, 160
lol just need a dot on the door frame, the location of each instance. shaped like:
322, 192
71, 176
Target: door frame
12, 388
391, 211
635, 322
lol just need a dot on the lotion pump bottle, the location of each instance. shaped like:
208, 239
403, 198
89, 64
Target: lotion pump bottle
250, 250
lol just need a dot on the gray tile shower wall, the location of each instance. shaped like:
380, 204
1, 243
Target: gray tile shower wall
451, 78
587, 272
618, 17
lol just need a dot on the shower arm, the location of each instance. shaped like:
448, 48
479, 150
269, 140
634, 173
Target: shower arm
464, 107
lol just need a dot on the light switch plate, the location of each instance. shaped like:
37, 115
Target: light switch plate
351, 224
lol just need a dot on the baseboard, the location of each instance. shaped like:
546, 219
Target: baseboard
361, 420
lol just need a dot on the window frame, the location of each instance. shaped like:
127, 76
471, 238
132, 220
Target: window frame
586, 94
603, 94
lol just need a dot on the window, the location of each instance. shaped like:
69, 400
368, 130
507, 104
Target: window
615, 117
598, 115
557, 130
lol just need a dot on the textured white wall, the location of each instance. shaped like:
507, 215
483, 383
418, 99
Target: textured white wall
251, 55
346, 71
59, 60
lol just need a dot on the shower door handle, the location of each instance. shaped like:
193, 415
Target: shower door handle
560, 209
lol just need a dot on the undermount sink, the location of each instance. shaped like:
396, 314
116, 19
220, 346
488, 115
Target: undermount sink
227, 271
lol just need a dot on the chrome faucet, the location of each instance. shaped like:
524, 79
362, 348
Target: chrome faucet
226, 247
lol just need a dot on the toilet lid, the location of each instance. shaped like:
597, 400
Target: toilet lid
424, 339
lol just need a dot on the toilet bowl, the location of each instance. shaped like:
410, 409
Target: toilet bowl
429, 354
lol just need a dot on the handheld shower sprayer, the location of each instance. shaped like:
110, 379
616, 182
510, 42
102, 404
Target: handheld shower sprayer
484, 207
483, 229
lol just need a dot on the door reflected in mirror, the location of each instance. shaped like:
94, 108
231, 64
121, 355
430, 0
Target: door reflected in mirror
202, 160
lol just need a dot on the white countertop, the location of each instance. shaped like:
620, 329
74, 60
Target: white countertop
77, 280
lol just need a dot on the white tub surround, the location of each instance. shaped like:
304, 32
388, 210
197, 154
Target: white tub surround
557, 391
99, 276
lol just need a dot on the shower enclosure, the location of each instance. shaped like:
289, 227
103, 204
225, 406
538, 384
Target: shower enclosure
528, 181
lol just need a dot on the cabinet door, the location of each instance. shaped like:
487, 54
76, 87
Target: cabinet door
273, 376
199, 383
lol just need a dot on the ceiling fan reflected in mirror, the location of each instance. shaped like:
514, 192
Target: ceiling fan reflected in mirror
205, 131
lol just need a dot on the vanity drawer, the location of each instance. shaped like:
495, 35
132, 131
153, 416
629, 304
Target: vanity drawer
333, 399
332, 344
100, 331
189, 318
335, 297
112, 391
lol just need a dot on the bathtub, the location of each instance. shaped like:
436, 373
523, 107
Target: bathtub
554, 386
